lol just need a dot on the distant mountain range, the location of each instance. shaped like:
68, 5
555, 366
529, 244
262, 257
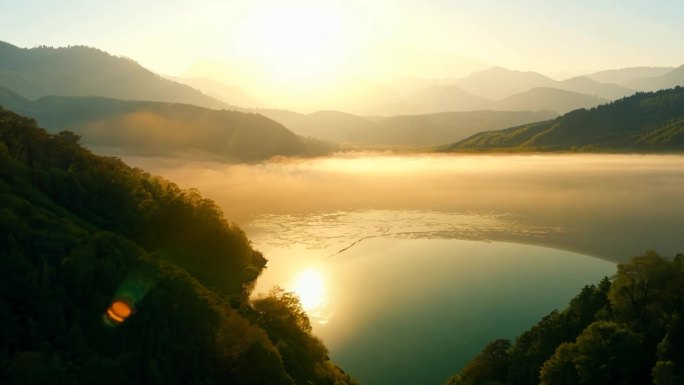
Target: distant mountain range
497, 83
440, 98
452, 98
85, 89
157, 128
502, 89
549, 99
666, 80
625, 76
647, 122
85, 71
402, 130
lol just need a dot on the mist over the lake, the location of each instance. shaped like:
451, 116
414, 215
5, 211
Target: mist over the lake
417, 260
610, 206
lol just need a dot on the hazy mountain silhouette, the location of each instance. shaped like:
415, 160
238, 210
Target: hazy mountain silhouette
505, 90
403, 130
642, 122
586, 85
409, 85
85, 71
625, 76
546, 98
438, 128
232, 95
667, 80
372, 98
158, 128
497, 83
447, 98
327, 125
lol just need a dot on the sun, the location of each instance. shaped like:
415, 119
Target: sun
310, 288
294, 42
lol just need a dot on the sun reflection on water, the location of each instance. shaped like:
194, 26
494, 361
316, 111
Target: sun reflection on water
309, 285
310, 288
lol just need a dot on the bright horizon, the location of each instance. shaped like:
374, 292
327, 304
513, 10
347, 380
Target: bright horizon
307, 51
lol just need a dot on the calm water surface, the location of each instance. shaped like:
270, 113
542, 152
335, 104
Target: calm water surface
403, 309
409, 265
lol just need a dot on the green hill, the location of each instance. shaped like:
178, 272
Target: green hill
644, 122
85, 71
110, 275
156, 128
628, 331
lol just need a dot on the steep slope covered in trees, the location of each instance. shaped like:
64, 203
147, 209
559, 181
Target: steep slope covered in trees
642, 122
80, 232
156, 128
626, 331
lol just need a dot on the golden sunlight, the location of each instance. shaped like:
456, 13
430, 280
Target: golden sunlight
310, 288
294, 43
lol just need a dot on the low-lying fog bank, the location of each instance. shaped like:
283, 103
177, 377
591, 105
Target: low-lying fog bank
611, 206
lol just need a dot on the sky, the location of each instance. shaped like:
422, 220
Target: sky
308, 45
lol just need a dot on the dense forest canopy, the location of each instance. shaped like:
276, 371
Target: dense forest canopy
624, 330
86, 240
643, 122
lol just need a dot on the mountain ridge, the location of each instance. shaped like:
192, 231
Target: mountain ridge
670, 79
158, 128
418, 130
549, 98
651, 121
87, 71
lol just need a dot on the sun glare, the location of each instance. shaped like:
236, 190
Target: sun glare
294, 43
310, 288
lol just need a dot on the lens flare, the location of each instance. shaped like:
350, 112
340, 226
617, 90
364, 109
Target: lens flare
117, 312
129, 294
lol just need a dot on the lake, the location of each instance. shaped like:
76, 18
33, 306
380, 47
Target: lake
412, 310
409, 264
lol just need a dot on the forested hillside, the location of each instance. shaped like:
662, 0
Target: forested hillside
644, 122
81, 234
627, 330
156, 128
86, 71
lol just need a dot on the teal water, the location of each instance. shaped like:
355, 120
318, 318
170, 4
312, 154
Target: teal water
414, 311
390, 252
